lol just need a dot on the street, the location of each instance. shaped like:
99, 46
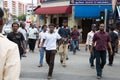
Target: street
78, 68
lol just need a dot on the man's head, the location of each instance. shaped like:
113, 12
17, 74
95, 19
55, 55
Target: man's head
101, 27
23, 25
15, 27
1, 19
51, 27
44, 27
112, 28
65, 23
75, 27
93, 27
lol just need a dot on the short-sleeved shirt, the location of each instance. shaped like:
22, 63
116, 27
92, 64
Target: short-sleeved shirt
65, 33
101, 40
114, 38
41, 36
51, 40
75, 35
17, 38
31, 32
24, 32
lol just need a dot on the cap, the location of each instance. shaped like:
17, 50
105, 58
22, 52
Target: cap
93, 26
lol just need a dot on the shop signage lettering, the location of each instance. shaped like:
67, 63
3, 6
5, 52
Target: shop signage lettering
91, 1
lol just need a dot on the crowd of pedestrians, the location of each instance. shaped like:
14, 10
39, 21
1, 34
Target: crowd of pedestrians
54, 39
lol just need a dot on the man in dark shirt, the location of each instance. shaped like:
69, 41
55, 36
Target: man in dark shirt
75, 39
102, 40
64, 32
114, 40
18, 38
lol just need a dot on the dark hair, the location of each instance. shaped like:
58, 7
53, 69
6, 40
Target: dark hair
1, 13
112, 28
15, 23
51, 24
44, 26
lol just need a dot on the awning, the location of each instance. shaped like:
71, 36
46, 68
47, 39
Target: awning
54, 10
90, 11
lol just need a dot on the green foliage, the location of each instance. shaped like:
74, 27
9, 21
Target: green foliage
22, 17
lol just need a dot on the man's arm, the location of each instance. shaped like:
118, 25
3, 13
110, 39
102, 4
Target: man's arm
12, 66
109, 45
87, 42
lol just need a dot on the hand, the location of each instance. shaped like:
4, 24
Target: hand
91, 50
111, 52
25, 51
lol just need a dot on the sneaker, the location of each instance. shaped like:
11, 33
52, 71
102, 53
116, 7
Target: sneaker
61, 61
64, 65
49, 77
92, 66
24, 55
98, 77
109, 64
67, 58
40, 65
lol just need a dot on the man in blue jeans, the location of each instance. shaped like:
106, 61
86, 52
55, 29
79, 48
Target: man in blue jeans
75, 39
102, 40
89, 44
42, 49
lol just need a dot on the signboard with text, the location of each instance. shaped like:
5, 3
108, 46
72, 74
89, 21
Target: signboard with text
91, 2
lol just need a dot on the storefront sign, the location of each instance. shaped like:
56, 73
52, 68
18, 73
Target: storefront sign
91, 1
48, 0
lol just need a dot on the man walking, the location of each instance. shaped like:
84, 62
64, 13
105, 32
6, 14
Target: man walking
64, 32
102, 40
32, 36
114, 40
42, 49
89, 44
9, 56
51, 48
18, 38
23, 30
75, 39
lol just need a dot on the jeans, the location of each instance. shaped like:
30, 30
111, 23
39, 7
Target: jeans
111, 57
50, 57
42, 55
100, 61
92, 56
75, 45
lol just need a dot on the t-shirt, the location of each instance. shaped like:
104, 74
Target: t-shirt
51, 40
17, 38
31, 32
113, 37
24, 32
41, 36
101, 40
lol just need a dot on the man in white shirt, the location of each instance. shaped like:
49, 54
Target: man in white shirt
51, 48
32, 36
23, 30
9, 56
42, 49
89, 43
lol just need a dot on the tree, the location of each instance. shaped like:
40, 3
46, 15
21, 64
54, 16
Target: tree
22, 17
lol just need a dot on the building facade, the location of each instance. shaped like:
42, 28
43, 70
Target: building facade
54, 11
15, 7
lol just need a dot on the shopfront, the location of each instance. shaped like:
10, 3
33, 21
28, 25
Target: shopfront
54, 12
87, 12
